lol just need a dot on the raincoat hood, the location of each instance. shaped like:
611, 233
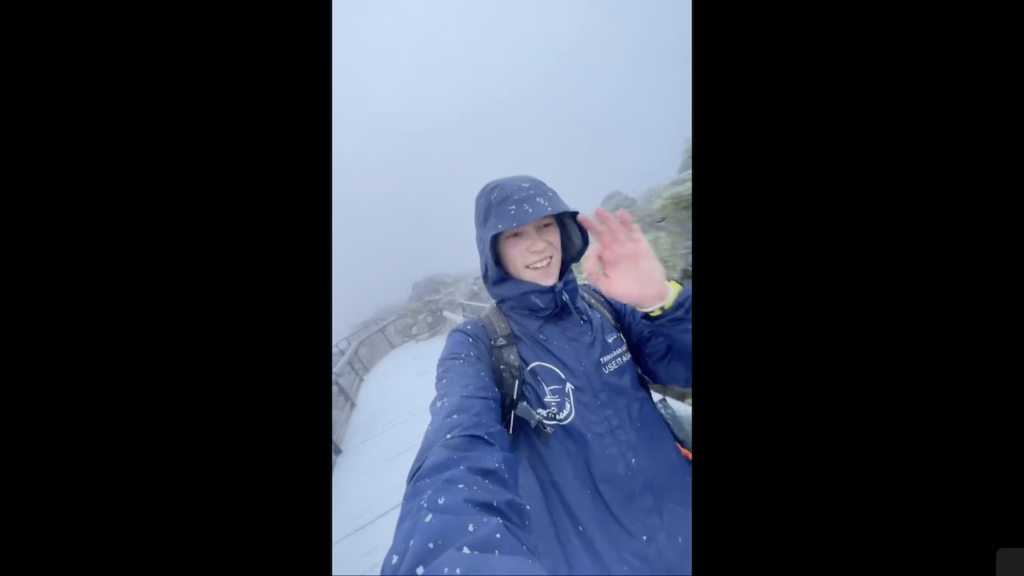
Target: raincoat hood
512, 202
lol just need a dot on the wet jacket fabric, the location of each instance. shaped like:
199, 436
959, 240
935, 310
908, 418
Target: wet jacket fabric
608, 492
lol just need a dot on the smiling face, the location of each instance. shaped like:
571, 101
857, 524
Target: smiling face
532, 253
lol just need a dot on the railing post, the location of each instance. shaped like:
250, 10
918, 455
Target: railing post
337, 345
342, 390
365, 369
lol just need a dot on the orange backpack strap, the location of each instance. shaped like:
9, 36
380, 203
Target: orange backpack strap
685, 452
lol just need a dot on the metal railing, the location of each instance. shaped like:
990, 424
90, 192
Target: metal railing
348, 375
473, 309
351, 369
343, 345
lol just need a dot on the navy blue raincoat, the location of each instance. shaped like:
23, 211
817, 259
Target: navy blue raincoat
608, 492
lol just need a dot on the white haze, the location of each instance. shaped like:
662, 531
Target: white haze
431, 100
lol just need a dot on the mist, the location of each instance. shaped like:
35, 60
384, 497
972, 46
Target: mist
431, 100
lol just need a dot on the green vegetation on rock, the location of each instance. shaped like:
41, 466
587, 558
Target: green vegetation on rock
665, 215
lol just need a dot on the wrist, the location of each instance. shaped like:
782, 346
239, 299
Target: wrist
675, 289
666, 297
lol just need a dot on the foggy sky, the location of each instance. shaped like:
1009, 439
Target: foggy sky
433, 99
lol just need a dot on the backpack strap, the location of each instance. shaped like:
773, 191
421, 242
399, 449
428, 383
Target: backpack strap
505, 359
508, 369
682, 433
597, 301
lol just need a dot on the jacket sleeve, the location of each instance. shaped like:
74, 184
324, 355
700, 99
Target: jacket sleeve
462, 513
662, 344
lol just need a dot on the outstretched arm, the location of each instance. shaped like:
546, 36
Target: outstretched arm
462, 513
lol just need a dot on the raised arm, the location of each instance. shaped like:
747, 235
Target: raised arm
655, 314
661, 343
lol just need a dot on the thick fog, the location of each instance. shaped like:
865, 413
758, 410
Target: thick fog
433, 99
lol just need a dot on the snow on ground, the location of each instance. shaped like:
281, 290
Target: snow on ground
682, 408
392, 413
685, 411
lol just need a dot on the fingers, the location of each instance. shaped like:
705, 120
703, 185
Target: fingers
590, 267
612, 228
591, 226
632, 231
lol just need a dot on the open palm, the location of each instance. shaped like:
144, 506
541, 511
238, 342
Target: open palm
622, 264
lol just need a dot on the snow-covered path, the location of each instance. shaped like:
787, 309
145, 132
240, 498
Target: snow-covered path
387, 426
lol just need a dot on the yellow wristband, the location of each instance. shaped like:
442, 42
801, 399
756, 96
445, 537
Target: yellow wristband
676, 289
